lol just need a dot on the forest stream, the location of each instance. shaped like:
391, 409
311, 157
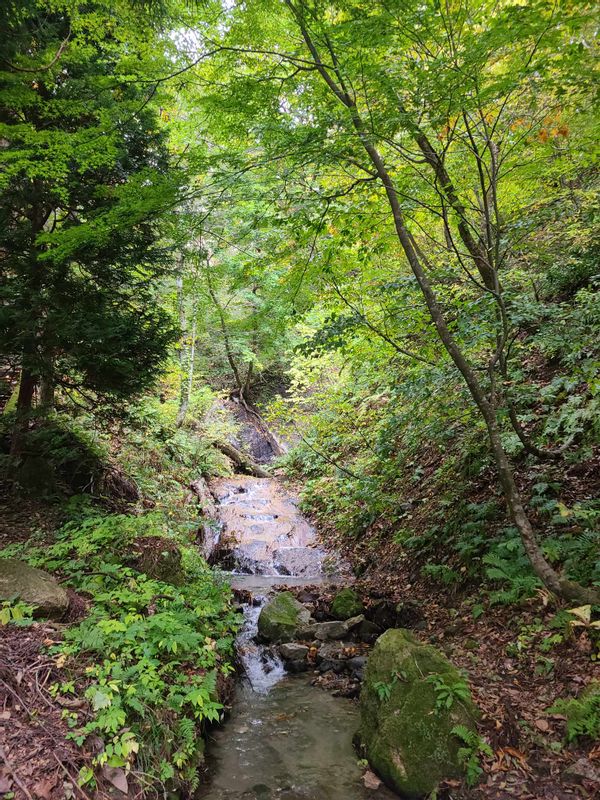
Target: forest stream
285, 738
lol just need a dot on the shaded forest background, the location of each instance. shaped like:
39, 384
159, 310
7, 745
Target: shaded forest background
372, 224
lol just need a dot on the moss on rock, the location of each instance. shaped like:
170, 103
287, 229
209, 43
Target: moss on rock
407, 740
281, 617
346, 604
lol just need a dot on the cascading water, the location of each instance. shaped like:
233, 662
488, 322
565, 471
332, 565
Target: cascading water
262, 666
285, 739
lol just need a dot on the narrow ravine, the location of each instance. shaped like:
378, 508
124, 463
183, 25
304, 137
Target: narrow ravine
285, 738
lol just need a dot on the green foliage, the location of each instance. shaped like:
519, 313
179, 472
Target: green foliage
507, 564
469, 755
153, 652
85, 177
384, 690
16, 612
442, 573
446, 694
582, 713
70, 457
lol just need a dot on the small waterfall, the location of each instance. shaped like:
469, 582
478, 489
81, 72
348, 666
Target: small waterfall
262, 666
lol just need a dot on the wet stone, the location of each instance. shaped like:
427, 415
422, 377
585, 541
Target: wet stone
291, 651
346, 604
331, 650
356, 666
368, 631
332, 665
337, 629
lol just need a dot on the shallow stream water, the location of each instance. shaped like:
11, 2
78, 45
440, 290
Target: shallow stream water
284, 739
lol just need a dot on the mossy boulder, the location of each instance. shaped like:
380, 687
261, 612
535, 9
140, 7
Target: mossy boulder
346, 604
281, 617
33, 586
406, 738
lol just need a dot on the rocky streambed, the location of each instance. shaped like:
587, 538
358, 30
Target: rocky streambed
307, 630
285, 737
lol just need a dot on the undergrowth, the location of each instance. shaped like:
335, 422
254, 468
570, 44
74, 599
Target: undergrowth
151, 657
154, 653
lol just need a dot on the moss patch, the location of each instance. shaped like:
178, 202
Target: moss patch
281, 617
407, 740
346, 604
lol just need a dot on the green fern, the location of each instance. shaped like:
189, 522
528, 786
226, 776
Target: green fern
446, 694
515, 575
582, 713
469, 756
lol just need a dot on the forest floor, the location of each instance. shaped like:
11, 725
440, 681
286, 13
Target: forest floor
514, 677
37, 758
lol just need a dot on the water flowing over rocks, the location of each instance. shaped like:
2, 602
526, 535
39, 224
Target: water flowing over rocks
265, 532
278, 741
285, 738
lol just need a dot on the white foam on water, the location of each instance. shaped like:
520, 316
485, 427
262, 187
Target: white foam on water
262, 666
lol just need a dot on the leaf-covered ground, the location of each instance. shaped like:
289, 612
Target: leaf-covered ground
39, 761
519, 658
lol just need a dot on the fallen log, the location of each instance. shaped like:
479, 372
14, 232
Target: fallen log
244, 463
210, 527
206, 501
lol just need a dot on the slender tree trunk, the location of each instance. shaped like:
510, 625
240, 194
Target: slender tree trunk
46, 394
482, 255
23, 412
187, 382
563, 588
223, 325
551, 579
248, 380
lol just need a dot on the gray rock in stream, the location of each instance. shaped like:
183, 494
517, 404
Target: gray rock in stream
292, 651
337, 629
368, 632
281, 618
356, 666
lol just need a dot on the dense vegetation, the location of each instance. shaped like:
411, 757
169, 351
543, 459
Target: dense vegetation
375, 223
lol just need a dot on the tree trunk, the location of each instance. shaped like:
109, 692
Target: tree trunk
210, 528
187, 384
46, 395
225, 333
242, 461
563, 588
551, 579
24, 404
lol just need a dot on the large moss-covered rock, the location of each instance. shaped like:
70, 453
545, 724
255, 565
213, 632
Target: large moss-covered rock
32, 586
346, 604
281, 617
407, 740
